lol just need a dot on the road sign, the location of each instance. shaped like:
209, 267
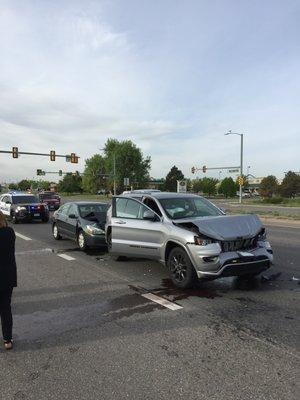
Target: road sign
181, 186
231, 171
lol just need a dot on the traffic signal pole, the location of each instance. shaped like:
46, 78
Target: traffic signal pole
15, 152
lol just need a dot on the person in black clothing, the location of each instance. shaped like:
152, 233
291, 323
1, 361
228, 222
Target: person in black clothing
8, 279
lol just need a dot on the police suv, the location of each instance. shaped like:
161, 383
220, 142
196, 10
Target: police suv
23, 207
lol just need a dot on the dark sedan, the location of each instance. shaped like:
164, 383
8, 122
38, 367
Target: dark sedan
83, 222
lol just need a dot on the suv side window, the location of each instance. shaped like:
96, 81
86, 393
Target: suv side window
129, 208
152, 204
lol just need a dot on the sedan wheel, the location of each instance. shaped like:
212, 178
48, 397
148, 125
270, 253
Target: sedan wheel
81, 241
56, 234
181, 269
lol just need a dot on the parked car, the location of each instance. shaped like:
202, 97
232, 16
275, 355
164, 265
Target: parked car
188, 234
52, 199
81, 221
23, 207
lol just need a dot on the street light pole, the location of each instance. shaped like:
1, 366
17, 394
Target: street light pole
241, 164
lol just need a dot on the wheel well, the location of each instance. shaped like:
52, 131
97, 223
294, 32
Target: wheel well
108, 232
170, 245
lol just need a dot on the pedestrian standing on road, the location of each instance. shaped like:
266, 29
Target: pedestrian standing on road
8, 279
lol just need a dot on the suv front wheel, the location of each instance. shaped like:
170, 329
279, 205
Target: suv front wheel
182, 272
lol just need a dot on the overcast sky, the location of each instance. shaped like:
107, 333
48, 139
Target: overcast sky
171, 75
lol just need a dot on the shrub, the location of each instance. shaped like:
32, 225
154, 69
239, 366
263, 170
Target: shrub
273, 200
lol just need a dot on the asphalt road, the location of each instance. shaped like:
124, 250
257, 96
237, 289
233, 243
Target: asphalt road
84, 330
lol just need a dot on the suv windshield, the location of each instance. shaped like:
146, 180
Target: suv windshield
186, 207
24, 199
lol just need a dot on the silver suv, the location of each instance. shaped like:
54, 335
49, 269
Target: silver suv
188, 234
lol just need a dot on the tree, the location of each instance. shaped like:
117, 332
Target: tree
172, 177
209, 186
13, 186
24, 184
197, 185
228, 187
129, 163
268, 186
71, 183
290, 185
93, 178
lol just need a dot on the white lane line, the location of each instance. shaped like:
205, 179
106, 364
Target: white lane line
163, 302
66, 257
22, 236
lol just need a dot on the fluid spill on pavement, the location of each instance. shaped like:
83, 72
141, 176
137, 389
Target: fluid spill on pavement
168, 289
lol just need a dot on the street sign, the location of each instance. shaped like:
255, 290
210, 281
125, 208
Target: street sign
181, 186
126, 181
231, 171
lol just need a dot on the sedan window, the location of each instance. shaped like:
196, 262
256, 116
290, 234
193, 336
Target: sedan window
24, 199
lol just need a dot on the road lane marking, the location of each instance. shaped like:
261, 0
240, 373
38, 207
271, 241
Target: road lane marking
22, 236
163, 302
38, 251
66, 257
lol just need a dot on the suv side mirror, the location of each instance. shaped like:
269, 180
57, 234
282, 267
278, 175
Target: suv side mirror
72, 216
149, 216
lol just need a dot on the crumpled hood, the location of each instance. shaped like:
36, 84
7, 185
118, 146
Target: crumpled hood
227, 227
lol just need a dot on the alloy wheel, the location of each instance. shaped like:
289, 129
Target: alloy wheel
178, 267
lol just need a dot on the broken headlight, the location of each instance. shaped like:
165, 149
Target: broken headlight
202, 241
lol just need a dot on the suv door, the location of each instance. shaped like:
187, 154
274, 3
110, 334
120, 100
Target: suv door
132, 234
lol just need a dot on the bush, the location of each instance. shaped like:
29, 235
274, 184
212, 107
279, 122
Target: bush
273, 200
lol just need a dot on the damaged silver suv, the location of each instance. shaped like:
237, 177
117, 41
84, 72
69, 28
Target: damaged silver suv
188, 234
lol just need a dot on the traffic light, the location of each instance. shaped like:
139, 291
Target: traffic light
60, 172
74, 158
241, 180
204, 168
52, 155
39, 172
15, 152
193, 169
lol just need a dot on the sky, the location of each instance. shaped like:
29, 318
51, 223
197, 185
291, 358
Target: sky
173, 76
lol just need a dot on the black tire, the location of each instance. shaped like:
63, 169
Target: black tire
55, 232
14, 219
181, 270
81, 241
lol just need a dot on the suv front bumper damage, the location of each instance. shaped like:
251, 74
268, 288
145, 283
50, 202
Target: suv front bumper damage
210, 261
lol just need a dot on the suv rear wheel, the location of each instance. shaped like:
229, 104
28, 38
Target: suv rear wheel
14, 218
182, 272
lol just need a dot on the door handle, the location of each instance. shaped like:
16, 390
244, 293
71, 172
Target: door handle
120, 222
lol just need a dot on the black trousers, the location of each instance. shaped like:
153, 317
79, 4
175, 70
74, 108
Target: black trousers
5, 313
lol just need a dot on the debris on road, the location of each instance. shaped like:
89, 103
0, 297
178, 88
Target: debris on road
270, 278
